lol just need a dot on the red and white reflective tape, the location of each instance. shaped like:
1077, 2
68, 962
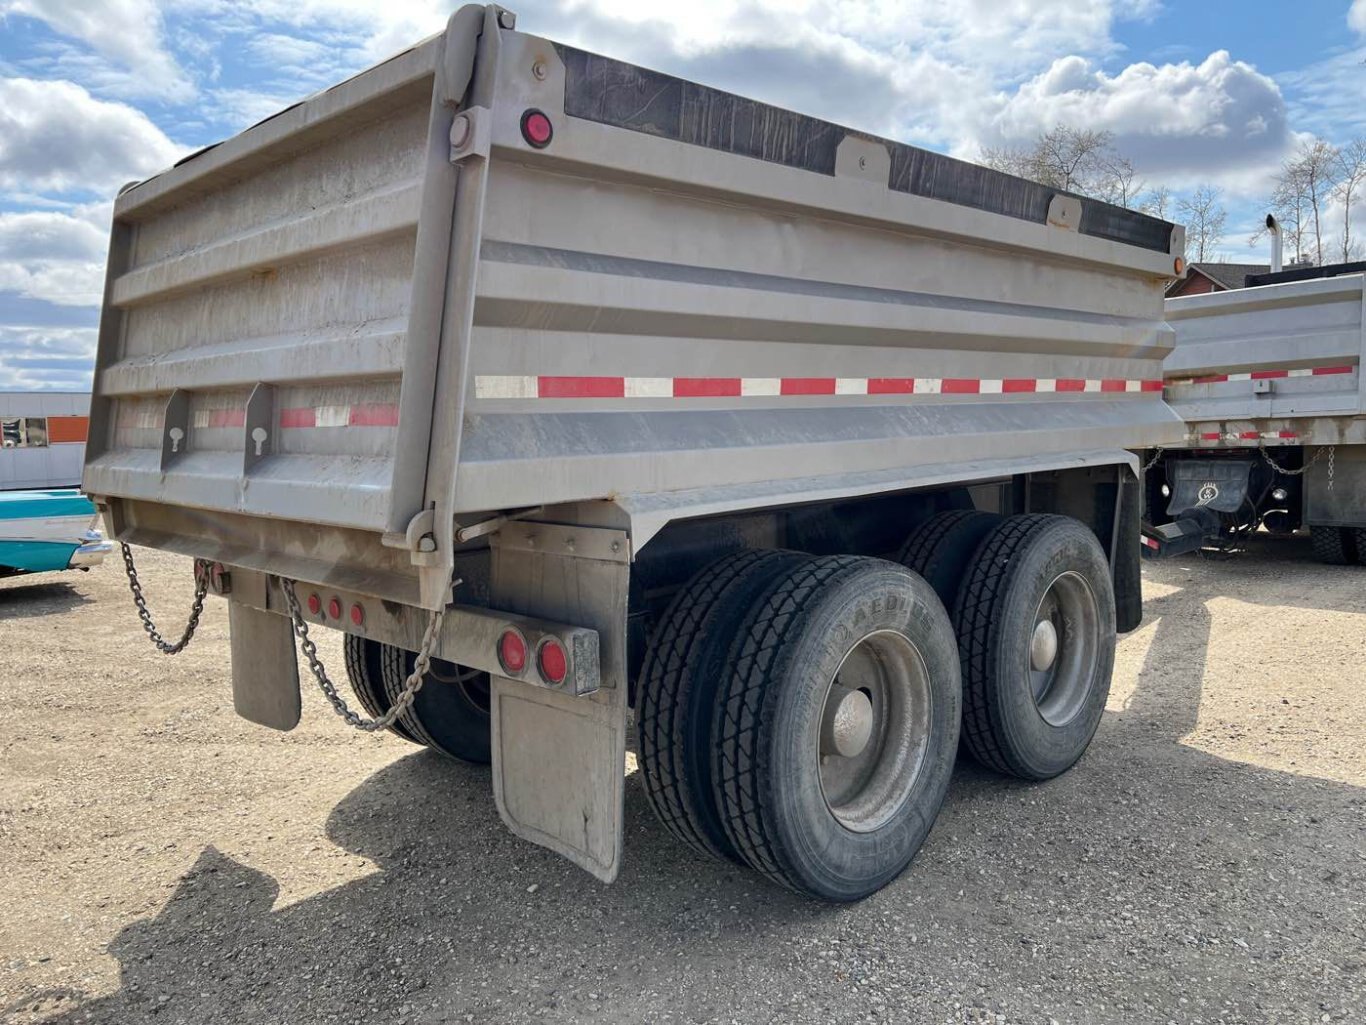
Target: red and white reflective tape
497, 386
360, 415
1247, 435
1262, 375
1150, 542
220, 418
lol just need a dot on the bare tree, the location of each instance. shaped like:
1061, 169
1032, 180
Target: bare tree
1304, 185
1119, 182
1205, 217
1351, 178
1157, 202
1073, 160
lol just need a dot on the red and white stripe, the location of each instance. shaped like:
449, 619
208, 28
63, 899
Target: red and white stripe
1248, 435
219, 418
496, 386
1262, 375
357, 415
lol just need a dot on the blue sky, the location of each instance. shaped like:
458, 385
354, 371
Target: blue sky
94, 93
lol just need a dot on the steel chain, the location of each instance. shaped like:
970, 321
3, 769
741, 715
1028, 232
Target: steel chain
1295, 473
411, 686
135, 585
1157, 454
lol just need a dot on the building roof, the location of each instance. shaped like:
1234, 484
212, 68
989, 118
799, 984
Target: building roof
1230, 275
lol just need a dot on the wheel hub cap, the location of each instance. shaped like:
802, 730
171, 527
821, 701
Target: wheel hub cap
1043, 646
848, 722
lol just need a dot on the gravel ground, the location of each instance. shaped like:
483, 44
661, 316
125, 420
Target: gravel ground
168, 862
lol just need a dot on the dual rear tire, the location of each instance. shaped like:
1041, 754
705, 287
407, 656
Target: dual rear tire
1338, 546
450, 713
801, 714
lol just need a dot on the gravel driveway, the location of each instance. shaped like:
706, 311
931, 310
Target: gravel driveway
168, 862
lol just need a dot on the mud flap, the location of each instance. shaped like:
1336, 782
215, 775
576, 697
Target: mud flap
265, 669
559, 771
559, 761
1217, 484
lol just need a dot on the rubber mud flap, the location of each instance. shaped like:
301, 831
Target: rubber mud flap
1220, 485
265, 668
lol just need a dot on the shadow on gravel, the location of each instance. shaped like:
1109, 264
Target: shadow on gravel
1154, 882
20, 600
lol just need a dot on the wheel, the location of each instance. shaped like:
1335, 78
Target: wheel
940, 548
1337, 546
1036, 635
365, 670
450, 713
837, 725
678, 683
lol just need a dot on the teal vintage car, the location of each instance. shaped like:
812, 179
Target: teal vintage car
42, 531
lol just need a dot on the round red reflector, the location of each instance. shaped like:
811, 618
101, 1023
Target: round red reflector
512, 652
537, 129
315, 604
357, 615
552, 661
334, 608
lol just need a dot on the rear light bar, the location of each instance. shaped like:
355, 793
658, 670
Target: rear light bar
535, 651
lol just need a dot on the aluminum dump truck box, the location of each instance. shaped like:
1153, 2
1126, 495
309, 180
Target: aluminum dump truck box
496, 272
1271, 365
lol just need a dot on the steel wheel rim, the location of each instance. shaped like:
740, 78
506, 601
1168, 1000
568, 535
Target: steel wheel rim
1068, 610
865, 791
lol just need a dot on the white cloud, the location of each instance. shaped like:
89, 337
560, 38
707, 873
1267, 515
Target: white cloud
1220, 120
36, 358
127, 34
1356, 16
55, 257
56, 137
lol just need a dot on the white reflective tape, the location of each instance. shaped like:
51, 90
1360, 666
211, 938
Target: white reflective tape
928, 385
332, 416
505, 387
649, 387
761, 386
201, 419
851, 386
1046, 384
1092, 384
1240, 377
1300, 373
989, 386
1132, 385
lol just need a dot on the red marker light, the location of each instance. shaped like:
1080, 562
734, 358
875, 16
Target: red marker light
552, 661
315, 604
512, 652
334, 608
537, 129
357, 615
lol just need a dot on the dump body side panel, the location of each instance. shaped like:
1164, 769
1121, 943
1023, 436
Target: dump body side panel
1276, 364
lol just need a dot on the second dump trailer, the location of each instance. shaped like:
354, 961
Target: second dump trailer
1269, 382
565, 388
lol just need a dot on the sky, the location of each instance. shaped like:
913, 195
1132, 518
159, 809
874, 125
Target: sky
97, 93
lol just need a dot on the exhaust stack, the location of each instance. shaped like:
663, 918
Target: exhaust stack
1273, 226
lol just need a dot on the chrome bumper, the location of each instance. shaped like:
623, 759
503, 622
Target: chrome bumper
91, 552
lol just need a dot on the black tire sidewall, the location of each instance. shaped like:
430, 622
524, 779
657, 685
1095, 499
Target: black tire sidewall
825, 857
441, 715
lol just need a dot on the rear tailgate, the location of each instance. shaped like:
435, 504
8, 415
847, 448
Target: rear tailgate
1272, 363
273, 308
